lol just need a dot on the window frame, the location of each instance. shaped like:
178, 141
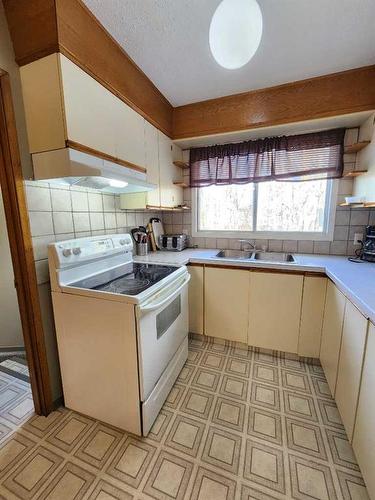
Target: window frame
325, 235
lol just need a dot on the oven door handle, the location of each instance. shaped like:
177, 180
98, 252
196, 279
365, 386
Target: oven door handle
156, 305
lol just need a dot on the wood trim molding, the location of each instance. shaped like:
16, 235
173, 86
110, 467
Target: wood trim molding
256, 269
103, 156
33, 28
330, 95
41, 27
11, 181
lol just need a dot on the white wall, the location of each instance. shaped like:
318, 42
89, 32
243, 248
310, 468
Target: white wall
10, 323
365, 184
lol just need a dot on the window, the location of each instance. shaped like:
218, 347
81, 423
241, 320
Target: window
274, 209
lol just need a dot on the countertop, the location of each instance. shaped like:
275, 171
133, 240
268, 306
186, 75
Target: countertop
355, 280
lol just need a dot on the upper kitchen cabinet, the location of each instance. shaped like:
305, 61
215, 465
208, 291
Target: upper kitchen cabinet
274, 316
171, 195
63, 103
152, 163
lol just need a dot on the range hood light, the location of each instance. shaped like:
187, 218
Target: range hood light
117, 184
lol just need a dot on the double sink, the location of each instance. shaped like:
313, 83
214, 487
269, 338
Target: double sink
256, 255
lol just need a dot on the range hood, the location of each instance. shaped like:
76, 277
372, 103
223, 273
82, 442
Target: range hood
71, 167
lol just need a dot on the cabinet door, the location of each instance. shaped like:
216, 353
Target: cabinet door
226, 294
275, 310
43, 103
170, 195
364, 436
90, 109
196, 299
331, 334
350, 365
152, 163
314, 294
129, 133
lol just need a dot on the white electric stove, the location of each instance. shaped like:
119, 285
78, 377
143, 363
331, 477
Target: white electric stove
121, 329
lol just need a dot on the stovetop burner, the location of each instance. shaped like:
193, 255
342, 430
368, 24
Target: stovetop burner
126, 285
136, 278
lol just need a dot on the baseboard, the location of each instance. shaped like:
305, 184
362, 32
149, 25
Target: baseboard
242, 346
12, 349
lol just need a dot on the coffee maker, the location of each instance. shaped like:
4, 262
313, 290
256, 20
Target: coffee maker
368, 249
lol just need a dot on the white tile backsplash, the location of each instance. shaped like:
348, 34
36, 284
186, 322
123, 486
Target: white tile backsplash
109, 203
41, 223
63, 222
81, 221
61, 200
80, 201
61, 213
40, 246
359, 217
109, 220
95, 202
38, 198
97, 221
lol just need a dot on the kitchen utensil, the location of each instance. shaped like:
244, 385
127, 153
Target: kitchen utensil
157, 229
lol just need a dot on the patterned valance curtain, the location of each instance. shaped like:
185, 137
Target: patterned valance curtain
298, 157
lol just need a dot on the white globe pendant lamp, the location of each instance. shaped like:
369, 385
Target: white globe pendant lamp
235, 32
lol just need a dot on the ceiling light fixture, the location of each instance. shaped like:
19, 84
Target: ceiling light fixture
235, 32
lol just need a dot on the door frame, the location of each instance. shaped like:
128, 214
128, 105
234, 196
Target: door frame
19, 234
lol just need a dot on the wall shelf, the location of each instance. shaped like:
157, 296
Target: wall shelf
181, 184
182, 208
181, 164
366, 204
355, 173
356, 147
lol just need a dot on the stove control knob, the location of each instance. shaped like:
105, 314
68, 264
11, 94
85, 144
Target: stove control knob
76, 251
67, 252
122, 242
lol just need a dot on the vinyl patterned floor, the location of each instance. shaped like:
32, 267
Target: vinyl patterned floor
237, 425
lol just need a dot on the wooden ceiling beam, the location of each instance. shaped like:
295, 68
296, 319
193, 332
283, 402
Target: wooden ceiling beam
330, 95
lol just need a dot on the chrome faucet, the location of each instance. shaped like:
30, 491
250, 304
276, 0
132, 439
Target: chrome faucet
246, 242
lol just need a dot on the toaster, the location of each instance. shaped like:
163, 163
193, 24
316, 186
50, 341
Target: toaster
173, 242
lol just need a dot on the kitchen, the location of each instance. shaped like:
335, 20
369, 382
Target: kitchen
203, 243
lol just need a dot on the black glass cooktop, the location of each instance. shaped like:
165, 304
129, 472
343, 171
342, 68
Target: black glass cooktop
133, 279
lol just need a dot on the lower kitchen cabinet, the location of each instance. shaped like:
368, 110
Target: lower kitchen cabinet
196, 314
226, 299
275, 310
331, 334
312, 312
352, 350
364, 435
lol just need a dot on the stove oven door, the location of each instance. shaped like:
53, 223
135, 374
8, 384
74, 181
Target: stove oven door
162, 327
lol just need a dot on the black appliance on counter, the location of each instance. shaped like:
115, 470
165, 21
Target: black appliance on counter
368, 249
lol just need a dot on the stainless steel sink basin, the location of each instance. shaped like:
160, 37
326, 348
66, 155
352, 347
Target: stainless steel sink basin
273, 256
234, 254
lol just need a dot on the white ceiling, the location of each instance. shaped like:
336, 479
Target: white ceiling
168, 40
